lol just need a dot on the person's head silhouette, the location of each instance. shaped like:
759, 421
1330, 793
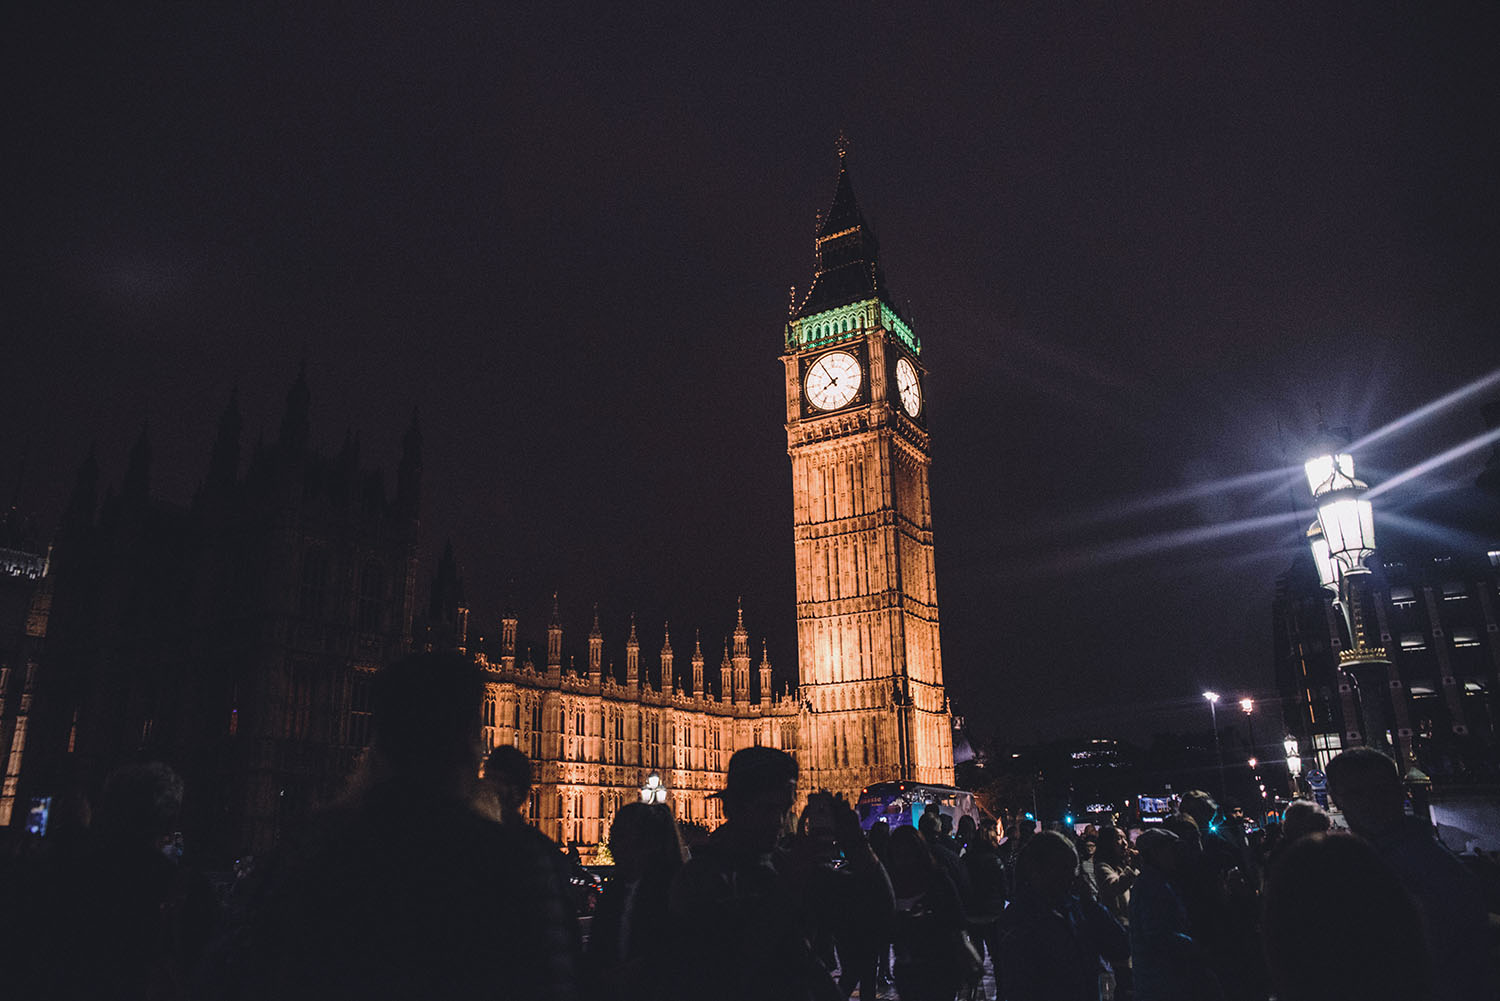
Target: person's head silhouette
427, 716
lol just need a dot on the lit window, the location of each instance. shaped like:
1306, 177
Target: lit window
1402, 597
1413, 641
1465, 637
1453, 591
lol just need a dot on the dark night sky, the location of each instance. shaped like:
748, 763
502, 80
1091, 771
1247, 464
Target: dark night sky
1133, 240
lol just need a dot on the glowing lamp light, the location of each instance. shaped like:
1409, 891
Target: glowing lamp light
1345, 519
1211, 696
1253, 762
1329, 570
653, 791
1349, 528
1293, 762
1068, 819
1329, 471
1247, 705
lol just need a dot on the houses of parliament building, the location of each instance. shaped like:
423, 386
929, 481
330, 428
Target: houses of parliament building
236, 638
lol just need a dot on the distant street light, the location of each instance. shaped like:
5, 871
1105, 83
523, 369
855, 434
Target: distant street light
1213, 710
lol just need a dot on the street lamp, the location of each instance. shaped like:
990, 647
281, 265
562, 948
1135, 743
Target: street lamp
1213, 711
653, 791
1293, 761
1342, 541
1247, 706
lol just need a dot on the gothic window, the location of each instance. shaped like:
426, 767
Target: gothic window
489, 710
314, 583
297, 704
360, 709
372, 600
515, 709
578, 723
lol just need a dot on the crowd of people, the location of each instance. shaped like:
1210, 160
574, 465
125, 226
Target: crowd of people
425, 881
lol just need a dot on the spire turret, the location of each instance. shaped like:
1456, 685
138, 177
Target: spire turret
741, 657
632, 657
765, 675
596, 647
726, 675
668, 677
554, 641
697, 663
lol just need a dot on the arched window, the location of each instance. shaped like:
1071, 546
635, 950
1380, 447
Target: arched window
372, 600
314, 583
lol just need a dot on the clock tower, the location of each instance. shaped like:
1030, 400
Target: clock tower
869, 662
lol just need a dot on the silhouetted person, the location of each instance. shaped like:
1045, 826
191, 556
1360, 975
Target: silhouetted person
932, 956
1367, 788
989, 885
403, 890
507, 777
1303, 817
1056, 942
630, 937
1373, 952
848, 890
931, 828
879, 837
743, 933
967, 829
1167, 964
1115, 873
117, 914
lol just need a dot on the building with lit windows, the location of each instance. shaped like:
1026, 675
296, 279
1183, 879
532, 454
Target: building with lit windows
237, 638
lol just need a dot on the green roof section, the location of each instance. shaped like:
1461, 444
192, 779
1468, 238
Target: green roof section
844, 323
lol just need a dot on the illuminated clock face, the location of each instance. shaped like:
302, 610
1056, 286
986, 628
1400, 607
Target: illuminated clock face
909, 388
832, 380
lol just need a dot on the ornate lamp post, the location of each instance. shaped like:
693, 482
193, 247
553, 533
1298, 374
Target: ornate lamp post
1342, 542
653, 791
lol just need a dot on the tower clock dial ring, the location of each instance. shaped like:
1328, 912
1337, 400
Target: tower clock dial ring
909, 387
832, 381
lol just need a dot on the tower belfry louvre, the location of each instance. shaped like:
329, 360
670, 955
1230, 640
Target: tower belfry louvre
869, 660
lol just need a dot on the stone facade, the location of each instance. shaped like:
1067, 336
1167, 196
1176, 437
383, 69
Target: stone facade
595, 736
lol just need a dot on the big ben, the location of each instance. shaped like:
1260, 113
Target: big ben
869, 660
